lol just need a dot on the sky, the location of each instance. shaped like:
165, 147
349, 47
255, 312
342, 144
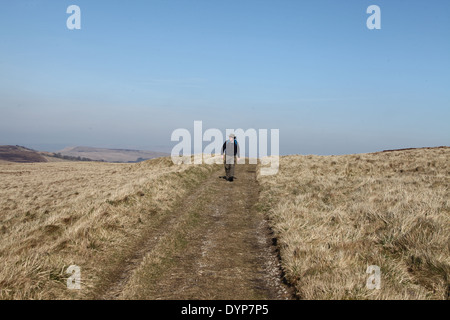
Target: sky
138, 70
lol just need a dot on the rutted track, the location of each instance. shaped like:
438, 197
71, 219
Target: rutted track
214, 245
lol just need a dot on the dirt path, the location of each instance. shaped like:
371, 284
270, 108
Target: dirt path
224, 248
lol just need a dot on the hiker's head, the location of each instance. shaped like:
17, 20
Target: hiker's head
232, 136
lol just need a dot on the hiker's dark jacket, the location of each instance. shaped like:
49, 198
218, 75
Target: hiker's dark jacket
231, 148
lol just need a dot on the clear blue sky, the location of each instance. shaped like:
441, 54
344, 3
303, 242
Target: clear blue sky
137, 70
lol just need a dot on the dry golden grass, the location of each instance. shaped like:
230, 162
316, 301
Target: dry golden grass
334, 216
56, 214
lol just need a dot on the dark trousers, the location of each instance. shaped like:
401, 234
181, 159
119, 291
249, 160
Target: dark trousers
229, 166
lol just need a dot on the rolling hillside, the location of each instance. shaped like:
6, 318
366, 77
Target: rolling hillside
111, 155
20, 154
155, 230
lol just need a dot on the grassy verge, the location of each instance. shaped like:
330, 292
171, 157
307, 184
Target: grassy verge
334, 216
88, 214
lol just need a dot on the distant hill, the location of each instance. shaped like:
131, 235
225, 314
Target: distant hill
111, 155
20, 154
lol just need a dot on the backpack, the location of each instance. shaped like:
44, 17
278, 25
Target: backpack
235, 145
